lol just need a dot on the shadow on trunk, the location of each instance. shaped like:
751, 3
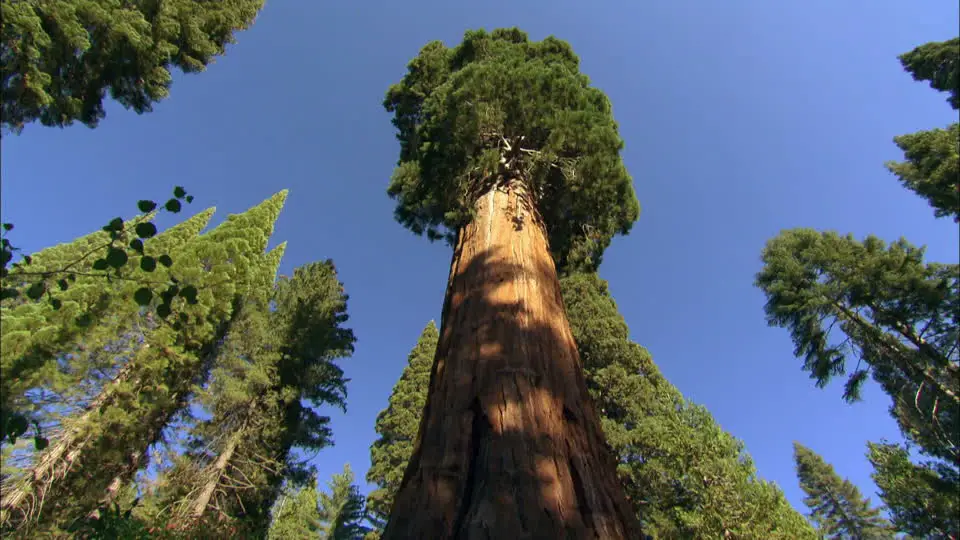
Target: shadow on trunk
510, 444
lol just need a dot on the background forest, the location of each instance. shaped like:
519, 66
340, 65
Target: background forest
246, 350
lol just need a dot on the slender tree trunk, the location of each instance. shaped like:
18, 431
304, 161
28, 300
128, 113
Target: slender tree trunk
510, 444
213, 474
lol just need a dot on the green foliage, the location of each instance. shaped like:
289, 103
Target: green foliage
684, 476
939, 64
79, 294
921, 498
932, 166
271, 361
151, 365
900, 318
61, 58
296, 516
397, 427
341, 510
500, 107
836, 504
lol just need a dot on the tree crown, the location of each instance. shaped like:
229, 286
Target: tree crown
500, 107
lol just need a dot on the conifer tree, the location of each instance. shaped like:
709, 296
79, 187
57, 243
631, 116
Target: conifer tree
899, 315
270, 361
105, 444
922, 499
341, 510
836, 504
34, 333
397, 427
685, 477
509, 154
932, 166
61, 58
297, 516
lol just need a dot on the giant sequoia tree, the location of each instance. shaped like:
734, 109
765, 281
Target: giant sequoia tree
61, 58
684, 476
509, 154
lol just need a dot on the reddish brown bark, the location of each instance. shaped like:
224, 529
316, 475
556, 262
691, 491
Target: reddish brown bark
510, 445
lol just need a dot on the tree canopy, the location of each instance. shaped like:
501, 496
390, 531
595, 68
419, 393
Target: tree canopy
898, 318
836, 504
498, 100
684, 475
61, 58
932, 165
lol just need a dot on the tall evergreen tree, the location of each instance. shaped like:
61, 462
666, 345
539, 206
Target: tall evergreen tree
34, 333
270, 361
685, 477
341, 510
923, 499
508, 153
104, 445
61, 58
397, 427
836, 504
297, 516
932, 166
899, 315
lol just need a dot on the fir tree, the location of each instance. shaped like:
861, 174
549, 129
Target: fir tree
900, 317
34, 333
77, 280
104, 445
508, 153
932, 166
270, 361
685, 477
836, 504
397, 427
341, 510
296, 516
61, 58
922, 498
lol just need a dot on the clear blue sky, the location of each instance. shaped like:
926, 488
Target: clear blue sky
739, 121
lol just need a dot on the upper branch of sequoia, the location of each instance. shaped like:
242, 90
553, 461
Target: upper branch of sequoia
497, 107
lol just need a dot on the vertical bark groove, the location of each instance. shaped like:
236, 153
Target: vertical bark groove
509, 445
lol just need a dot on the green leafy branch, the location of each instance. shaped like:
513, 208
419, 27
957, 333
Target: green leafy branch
114, 256
19, 280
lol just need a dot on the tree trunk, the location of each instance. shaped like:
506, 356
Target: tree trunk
510, 444
214, 473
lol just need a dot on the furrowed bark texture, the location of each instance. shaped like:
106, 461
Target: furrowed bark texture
510, 445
